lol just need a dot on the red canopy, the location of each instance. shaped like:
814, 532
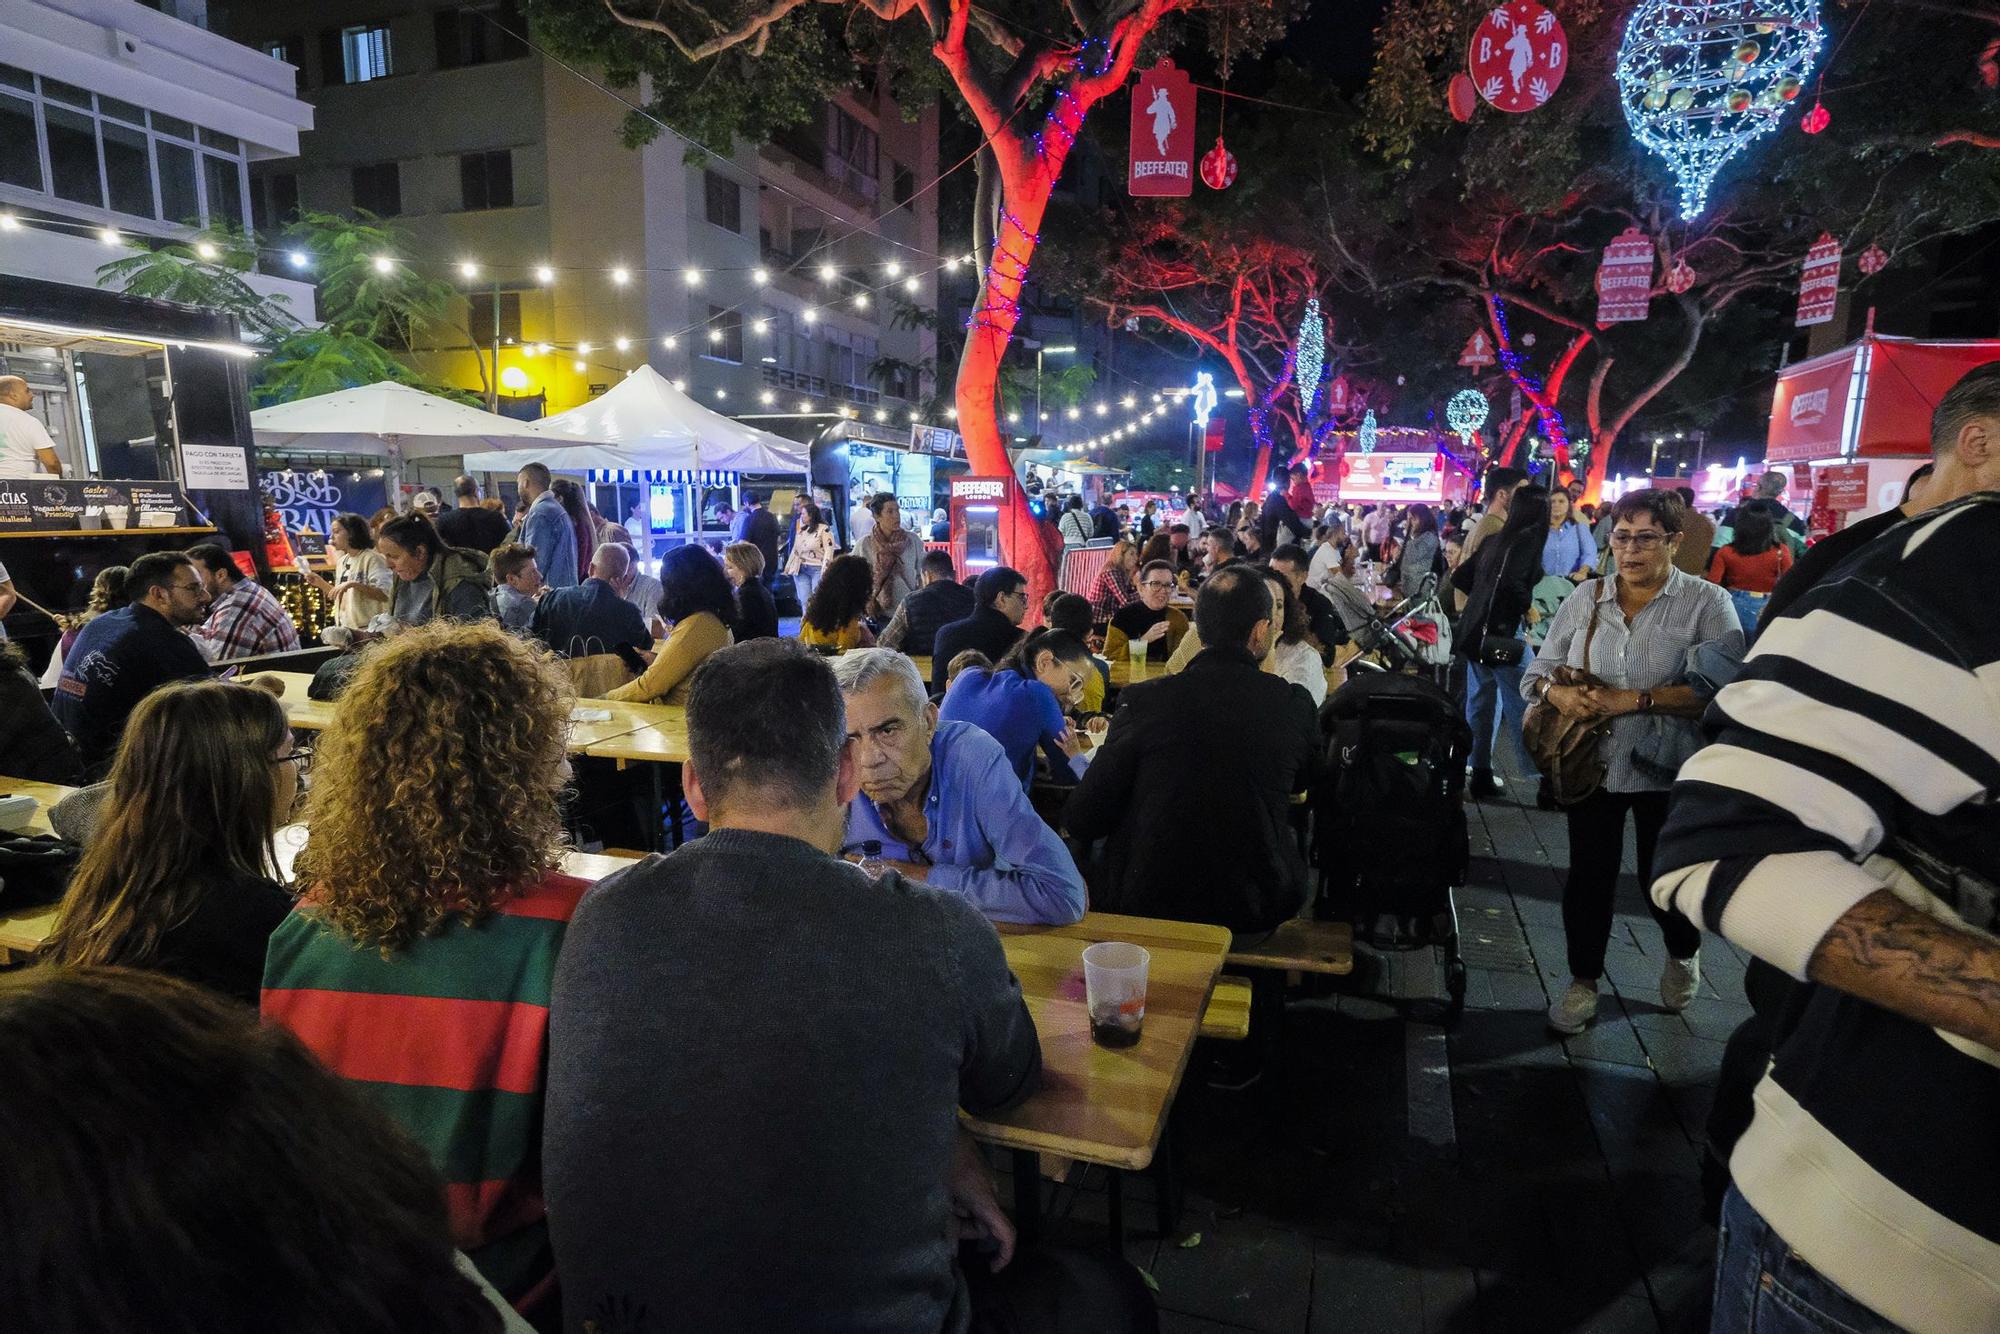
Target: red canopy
1871, 400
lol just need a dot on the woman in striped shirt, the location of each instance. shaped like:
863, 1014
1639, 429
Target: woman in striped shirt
419, 962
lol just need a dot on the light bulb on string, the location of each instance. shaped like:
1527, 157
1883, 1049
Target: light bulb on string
893, 269
809, 315
760, 276
580, 366
911, 285
721, 393
108, 235
861, 300
622, 344
467, 269
544, 274
670, 342
715, 335
761, 326
805, 406
767, 398
621, 275
383, 264
205, 250
827, 273
10, 223
583, 349
692, 277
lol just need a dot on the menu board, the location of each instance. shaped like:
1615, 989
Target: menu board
62, 504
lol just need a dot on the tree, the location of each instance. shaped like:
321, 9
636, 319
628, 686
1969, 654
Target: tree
1028, 75
1511, 213
361, 307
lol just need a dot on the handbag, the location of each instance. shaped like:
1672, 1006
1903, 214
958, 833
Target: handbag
1568, 751
1499, 651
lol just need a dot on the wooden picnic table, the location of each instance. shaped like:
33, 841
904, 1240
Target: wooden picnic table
1122, 676
314, 715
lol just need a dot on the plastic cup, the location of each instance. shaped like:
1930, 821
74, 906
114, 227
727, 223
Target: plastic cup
1136, 655
1114, 987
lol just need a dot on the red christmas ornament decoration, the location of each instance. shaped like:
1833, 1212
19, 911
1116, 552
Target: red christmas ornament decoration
1815, 120
1218, 167
1461, 98
1518, 56
1680, 277
1872, 260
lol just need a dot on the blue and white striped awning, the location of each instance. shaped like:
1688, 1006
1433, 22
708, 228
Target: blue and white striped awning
695, 476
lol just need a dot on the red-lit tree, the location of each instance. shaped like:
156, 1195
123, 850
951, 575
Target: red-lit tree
1225, 284
1028, 74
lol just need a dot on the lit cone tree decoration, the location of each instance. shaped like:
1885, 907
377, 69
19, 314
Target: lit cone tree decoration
1701, 81
1311, 344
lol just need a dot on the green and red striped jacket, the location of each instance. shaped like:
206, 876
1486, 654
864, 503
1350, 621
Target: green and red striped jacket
450, 1037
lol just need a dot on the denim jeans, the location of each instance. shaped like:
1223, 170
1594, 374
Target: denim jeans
1491, 691
805, 581
1761, 1287
1749, 606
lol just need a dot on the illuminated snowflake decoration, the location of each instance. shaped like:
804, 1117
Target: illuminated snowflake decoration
1311, 357
1700, 81
1466, 413
1365, 437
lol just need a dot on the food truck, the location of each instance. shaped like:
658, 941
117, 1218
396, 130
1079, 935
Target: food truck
1403, 475
147, 404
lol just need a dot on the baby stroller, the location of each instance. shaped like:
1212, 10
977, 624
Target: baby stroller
1389, 817
1413, 635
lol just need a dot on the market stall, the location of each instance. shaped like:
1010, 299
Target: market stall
1851, 426
852, 460
651, 452
145, 403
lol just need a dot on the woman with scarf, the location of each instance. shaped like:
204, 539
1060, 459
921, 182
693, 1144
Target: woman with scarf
892, 553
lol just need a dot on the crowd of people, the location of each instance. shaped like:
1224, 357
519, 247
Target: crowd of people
726, 1079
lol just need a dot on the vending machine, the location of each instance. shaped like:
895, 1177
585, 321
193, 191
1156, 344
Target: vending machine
981, 523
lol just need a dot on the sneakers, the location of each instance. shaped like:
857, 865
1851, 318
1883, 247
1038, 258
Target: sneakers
1679, 980
1484, 784
1578, 1006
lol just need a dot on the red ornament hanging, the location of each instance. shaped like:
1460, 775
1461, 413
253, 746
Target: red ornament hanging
1218, 167
1680, 277
1461, 98
1816, 119
1872, 260
1518, 56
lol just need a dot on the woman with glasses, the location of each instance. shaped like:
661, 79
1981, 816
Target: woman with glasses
1022, 702
1631, 632
179, 874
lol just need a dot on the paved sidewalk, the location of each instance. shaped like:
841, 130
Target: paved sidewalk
1499, 1178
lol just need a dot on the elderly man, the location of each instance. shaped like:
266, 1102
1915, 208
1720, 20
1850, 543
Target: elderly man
25, 446
243, 617
591, 617
940, 803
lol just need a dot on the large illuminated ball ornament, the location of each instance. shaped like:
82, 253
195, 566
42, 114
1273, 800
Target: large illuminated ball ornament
1700, 81
1466, 412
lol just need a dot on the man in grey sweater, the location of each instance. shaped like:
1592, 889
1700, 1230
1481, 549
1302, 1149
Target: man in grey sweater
757, 1053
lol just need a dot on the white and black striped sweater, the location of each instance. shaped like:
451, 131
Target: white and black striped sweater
1866, 720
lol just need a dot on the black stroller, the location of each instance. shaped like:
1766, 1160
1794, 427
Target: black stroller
1389, 817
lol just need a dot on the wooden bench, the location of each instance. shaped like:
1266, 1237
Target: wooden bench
1228, 1013
1302, 946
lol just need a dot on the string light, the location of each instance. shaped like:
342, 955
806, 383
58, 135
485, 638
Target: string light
10, 223
205, 250
621, 275
827, 273
298, 258
761, 326
583, 349
715, 335
861, 300
721, 393
1311, 356
680, 386
809, 315
911, 285
804, 406
760, 276
108, 235
544, 274
893, 269
881, 414
670, 342
692, 277
383, 264
580, 366
767, 398
1102, 409
622, 344
467, 269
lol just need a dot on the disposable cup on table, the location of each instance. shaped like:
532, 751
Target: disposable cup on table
1114, 986
1136, 657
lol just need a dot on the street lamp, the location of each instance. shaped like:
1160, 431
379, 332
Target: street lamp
1064, 350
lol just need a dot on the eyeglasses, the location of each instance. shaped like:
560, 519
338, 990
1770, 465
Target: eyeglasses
301, 756
1638, 541
1157, 583
179, 587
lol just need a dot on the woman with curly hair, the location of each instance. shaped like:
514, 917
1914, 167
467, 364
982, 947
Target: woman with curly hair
696, 599
833, 617
161, 887
419, 962
219, 1181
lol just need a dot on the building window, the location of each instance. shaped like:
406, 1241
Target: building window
479, 316
222, 181
365, 53
20, 154
180, 198
903, 184
287, 49
486, 180
725, 201
723, 339
275, 199
851, 154
479, 35
128, 170
378, 188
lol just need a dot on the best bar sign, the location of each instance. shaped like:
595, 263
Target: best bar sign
1625, 278
1162, 133
1819, 284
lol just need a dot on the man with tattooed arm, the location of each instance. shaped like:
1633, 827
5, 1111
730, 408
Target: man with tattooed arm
1845, 826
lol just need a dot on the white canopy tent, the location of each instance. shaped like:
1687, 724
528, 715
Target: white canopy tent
643, 426
385, 420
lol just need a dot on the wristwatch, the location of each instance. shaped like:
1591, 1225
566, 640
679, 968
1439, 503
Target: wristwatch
1645, 701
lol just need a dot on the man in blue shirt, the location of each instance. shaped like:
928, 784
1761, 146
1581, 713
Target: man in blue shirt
547, 528
124, 655
940, 803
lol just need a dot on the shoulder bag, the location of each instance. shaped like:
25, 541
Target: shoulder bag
1569, 751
